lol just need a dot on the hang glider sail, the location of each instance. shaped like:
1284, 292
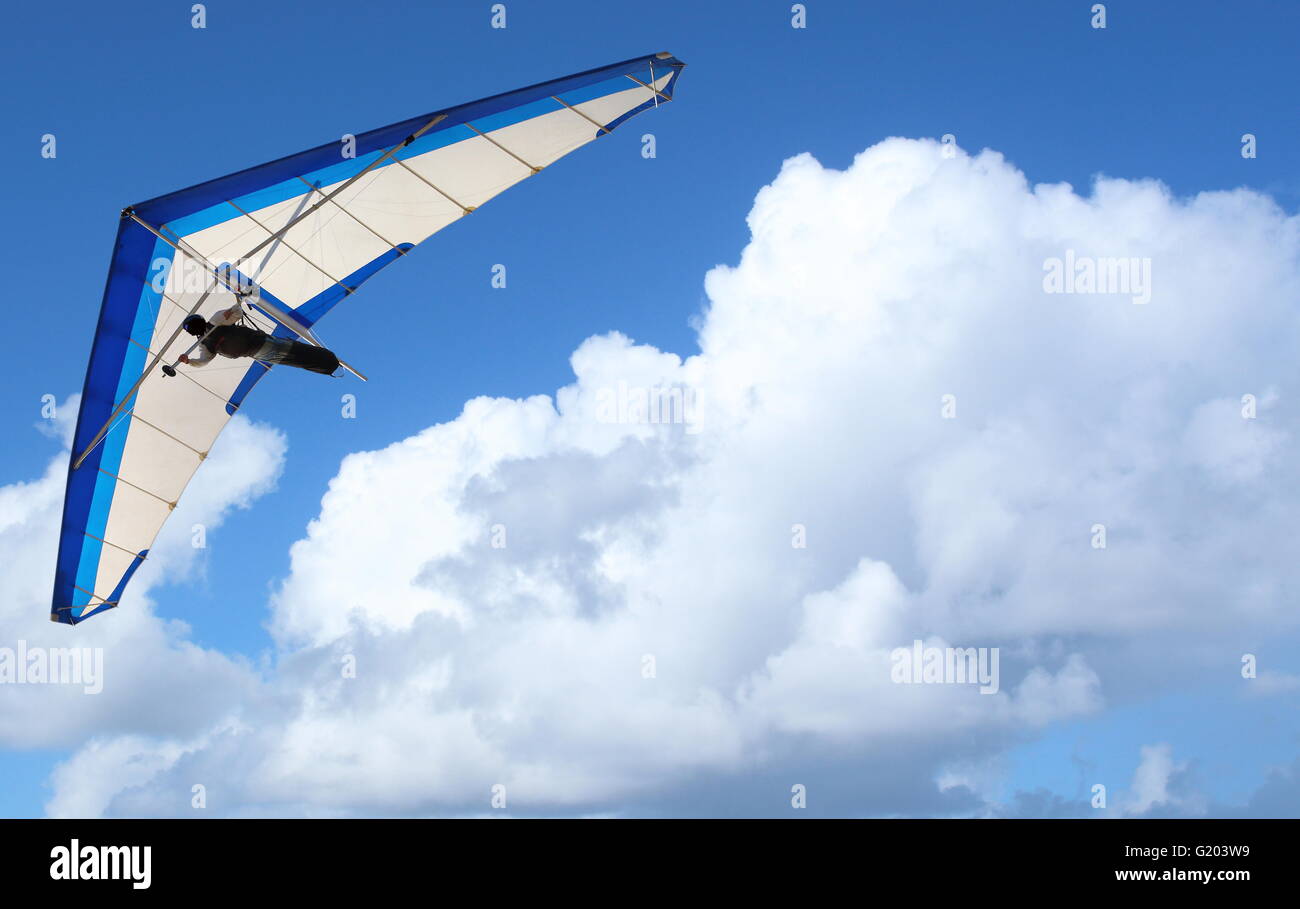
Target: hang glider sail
289, 240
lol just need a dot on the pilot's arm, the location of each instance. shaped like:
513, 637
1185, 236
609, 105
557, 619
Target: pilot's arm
224, 317
228, 316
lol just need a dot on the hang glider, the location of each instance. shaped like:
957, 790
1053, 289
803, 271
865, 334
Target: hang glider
290, 240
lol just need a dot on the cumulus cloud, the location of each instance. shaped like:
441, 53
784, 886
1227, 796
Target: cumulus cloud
680, 577
1155, 782
1161, 786
154, 681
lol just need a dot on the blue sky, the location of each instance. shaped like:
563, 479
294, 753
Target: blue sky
142, 104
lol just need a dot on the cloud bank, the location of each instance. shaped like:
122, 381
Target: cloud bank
676, 586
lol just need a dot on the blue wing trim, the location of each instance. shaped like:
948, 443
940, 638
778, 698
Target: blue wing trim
165, 209
125, 294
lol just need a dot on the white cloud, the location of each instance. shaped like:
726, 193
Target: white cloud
1160, 786
1270, 683
155, 681
863, 297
